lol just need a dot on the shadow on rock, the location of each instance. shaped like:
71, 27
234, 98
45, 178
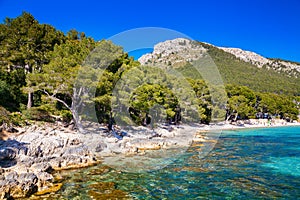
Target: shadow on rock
9, 149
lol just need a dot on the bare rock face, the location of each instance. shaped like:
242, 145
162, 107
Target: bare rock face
247, 56
292, 69
178, 52
181, 51
18, 185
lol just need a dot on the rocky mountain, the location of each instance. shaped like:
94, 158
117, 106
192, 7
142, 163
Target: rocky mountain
177, 52
180, 51
287, 67
236, 66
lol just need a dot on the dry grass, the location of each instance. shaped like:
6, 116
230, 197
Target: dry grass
4, 135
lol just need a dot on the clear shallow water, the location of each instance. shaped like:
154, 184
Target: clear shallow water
245, 164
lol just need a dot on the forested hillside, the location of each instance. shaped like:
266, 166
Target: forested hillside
236, 71
250, 89
39, 67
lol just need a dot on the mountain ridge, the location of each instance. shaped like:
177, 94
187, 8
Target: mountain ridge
290, 68
236, 66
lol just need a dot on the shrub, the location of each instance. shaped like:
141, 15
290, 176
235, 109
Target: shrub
66, 116
4, 116
17, 119
38, 114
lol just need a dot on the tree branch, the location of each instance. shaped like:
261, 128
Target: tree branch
57, 99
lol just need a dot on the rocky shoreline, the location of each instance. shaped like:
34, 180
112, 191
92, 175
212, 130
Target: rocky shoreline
29, 157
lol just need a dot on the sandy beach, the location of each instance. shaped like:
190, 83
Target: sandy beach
257, 123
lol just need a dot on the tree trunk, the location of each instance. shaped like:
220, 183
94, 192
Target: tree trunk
30, 100
77, 121
236, 116
228, 115
28, 70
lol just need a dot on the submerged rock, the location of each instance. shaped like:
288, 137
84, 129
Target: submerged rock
99, 170
106, 190
54, 188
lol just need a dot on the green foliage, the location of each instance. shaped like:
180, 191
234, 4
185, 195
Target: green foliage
57, 79
64, 72
203, 99
38, 114
241, 106
4, 116
5, 94
145, 97
242, 101
75, 75
238, 72
10, 89
25, 46
17, 119
66, 116
279, 105
115, 62
59, 76
14, 118
27, 42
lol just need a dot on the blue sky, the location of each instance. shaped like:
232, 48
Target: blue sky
270, 28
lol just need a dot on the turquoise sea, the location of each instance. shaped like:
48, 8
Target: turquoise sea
244, 164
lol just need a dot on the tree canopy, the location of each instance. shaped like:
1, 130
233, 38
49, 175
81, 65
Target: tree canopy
45, 73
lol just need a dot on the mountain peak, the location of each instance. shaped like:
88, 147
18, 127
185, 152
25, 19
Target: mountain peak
174, 52
178, 52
